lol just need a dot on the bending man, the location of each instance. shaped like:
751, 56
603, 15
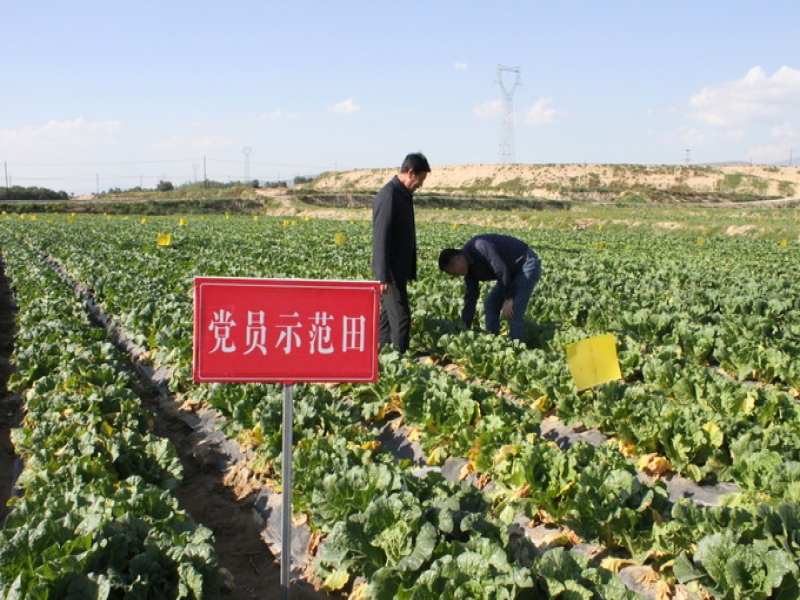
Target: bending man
494, 257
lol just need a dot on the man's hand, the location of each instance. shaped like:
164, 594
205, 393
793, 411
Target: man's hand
508, 309
384, 288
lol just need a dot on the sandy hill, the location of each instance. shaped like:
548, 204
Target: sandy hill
561, 181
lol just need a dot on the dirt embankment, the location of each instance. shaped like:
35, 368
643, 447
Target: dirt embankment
563, 181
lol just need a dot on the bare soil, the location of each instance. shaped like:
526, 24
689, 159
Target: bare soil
547, 180
226, 510
9, 403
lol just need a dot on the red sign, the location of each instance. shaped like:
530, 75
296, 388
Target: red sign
285, 330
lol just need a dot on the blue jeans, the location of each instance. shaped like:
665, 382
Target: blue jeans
523, 283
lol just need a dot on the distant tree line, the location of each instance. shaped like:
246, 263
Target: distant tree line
36, 193
17, 192
168, 186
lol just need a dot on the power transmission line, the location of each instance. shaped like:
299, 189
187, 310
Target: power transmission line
103, 164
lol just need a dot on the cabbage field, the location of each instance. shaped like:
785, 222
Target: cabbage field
681, 480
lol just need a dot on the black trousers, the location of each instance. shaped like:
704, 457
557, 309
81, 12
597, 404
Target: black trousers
395, 318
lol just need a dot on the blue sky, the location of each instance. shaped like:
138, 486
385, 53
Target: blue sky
111, 94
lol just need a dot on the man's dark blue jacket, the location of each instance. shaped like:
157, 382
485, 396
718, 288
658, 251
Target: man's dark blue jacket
491, 256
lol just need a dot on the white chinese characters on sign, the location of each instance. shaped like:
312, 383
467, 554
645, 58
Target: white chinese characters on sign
322, 332
221, 326
289, 337
256, 332
353, 333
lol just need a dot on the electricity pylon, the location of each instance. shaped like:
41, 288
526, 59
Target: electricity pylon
246, 151
507, 116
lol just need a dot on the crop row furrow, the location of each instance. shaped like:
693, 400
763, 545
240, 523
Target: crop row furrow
95, 516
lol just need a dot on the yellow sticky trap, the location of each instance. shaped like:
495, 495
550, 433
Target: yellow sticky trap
700, 241
783, 243
455, 225
144, 220
593, 361
164, 239
339, 239
182, 223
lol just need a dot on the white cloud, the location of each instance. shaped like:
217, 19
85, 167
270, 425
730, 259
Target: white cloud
753, 97
461, 66
685, 137
692, 137
770, 153
785, 138
737, 133
784, 131
539, 113
488, 110
346, 107
60, 134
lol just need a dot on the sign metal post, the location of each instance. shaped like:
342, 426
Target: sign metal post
286, 491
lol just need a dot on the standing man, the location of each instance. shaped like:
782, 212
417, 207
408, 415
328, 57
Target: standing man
394, 248
493, 257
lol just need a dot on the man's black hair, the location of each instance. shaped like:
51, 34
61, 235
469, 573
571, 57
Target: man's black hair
415, 162
446, 256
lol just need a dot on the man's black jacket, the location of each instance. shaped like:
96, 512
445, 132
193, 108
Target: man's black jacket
394, 238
